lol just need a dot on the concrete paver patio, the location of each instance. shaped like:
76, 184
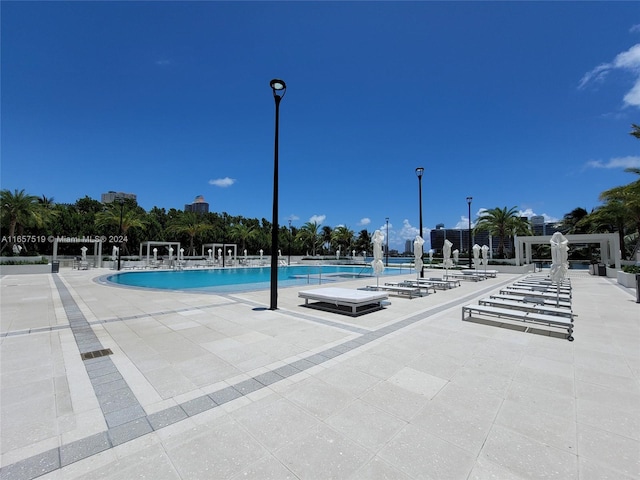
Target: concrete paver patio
199, 386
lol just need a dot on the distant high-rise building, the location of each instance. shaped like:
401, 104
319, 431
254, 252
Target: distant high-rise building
408, 246
112, 196
198, 205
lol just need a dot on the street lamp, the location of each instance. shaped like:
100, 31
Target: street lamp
419, 172
387, 256
279, 89
121, 201
469, 250
289, 242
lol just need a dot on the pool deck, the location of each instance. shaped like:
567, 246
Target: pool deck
203, 386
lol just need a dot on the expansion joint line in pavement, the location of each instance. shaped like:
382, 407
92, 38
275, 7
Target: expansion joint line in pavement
126, 418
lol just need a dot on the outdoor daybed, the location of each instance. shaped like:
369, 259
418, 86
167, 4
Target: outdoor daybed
343, 300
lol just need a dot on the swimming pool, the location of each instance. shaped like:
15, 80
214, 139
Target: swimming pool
244, 279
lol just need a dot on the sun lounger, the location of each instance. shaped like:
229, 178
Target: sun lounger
397, 289
413, 284
519, 315
528, 307
536, 293
534, 300
464, 276
343, 300
486, 273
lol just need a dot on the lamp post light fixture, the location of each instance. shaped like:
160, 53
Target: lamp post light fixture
290, 238
121, 202
469, 247
419, 172
279, 88
387, 256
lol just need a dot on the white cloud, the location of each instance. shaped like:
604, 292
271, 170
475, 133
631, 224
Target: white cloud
222, 182
619, 162
319, 219
635, 28
364, 221
627, 61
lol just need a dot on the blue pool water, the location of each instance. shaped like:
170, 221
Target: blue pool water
243, 279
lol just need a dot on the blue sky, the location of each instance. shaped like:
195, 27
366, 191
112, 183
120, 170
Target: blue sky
513, 103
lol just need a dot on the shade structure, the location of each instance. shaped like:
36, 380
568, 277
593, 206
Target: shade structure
476, 255
485, 256
377, 264
559, 260
417, 252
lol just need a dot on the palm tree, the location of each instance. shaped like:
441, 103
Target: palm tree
623, 203
309, 237
242, 232
326, 237
18, 210
131, 218
571, 222
191, 224
363, 241
501, 223
342, 236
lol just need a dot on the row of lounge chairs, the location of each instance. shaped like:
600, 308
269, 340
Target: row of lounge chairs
534, 299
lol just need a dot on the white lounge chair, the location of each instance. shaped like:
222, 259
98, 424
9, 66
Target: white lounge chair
343, 300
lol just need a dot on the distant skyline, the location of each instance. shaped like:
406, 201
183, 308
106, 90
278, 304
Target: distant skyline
525, 104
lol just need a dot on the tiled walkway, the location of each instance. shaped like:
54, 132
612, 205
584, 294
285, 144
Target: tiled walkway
205, 386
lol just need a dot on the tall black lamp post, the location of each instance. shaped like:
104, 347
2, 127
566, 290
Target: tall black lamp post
387, 256
121, 202
419, 172
290, 238
279, 89
469, 251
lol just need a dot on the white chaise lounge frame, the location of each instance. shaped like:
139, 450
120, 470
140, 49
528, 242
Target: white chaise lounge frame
357, 302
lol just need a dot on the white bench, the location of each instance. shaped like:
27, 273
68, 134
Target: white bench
466, 276
413, 284
485, 273
521, 316
356, 302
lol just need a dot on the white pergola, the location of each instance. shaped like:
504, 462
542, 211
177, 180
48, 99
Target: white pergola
150, 244
97, 247
609, 246
219, 246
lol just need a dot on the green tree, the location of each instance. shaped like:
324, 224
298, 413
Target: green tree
308, 236
242, 232
572, 222
343, 238
363, 241
190, 224
326, 237
115, 213
19, 209
501, 223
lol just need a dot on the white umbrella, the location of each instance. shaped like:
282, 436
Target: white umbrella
476, 255
485, 259
456, 252
446, 256
377, 264
84, 253
417, 252
114, 253
430, 256
559, 260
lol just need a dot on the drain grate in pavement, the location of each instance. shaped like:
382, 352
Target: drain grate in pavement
96, 354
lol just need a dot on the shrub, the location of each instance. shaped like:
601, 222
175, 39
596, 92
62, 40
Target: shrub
631, 269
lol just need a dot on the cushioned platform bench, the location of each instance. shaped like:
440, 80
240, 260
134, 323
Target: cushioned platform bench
483, 272
343, 300
536, 293
519, 315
